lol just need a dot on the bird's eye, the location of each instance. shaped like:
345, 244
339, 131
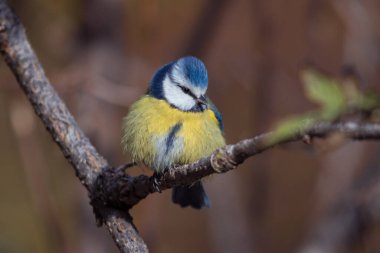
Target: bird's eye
185, 89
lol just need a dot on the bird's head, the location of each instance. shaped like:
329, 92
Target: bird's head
182, 83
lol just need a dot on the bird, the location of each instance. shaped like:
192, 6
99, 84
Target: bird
175, 123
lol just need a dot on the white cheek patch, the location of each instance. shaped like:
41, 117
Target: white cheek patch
175, 96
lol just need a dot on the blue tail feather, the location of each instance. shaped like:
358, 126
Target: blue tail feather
191, 195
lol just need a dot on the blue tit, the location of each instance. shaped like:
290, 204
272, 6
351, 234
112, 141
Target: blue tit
175, 123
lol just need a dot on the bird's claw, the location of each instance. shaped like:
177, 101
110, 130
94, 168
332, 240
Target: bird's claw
156, 182
126, 166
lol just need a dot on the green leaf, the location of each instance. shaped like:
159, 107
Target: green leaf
359, 100
292, 126
335, 99
325, 91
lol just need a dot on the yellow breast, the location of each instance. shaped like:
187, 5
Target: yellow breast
159, 135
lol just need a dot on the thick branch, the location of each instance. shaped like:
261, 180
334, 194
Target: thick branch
57, 119
20, 57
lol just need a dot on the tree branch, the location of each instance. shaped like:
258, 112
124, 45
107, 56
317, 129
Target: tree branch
118, 189
57, 119
112, 191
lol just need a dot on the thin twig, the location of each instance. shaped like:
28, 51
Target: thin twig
118, 189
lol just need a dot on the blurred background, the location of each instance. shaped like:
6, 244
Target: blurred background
100, 56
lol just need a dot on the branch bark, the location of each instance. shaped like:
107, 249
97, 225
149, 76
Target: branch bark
118, 189
62, 126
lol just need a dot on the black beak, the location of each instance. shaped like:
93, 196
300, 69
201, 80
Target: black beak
202, 102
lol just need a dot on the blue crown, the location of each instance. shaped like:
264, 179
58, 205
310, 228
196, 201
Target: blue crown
194, 70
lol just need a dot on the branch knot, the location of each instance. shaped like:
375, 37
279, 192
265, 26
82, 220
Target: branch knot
221, 161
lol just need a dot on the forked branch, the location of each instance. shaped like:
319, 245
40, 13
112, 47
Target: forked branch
112, 191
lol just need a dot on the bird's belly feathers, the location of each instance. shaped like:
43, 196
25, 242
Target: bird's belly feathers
159, 135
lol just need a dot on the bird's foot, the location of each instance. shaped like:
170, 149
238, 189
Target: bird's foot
157, 182
126, 166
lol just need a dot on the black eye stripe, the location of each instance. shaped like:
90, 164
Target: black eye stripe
183, 88
186, 90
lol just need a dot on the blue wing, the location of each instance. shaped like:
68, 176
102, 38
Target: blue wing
218, 115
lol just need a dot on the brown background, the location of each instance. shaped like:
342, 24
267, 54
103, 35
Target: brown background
100, 55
